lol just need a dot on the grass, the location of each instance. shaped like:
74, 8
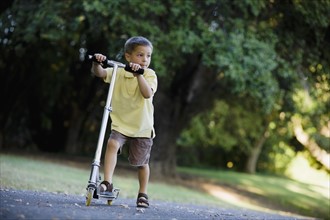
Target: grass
286, 194
33, 173
225, 189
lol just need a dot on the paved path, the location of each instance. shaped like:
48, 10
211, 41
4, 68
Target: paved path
19, 204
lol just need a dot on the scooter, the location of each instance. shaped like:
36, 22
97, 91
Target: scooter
94, 179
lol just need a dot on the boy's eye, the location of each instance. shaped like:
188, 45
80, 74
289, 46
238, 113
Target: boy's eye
141, 55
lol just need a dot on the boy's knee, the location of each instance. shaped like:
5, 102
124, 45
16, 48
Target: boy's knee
113, 145
143, 166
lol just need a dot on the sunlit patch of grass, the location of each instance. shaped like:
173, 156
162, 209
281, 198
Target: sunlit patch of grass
299, 169
291, 195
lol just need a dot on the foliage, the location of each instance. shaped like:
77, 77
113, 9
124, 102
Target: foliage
227, 132
265, 56
247, 65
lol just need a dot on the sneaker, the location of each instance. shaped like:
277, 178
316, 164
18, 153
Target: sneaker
106, 188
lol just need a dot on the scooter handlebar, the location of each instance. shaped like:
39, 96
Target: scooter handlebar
111, 63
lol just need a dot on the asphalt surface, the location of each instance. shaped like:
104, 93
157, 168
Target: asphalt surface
21, 204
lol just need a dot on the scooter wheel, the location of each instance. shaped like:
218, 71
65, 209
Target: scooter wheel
109, 202
89, 196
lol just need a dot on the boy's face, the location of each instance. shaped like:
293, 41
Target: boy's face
141, 55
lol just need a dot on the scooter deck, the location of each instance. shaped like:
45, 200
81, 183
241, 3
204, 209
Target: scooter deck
110, 195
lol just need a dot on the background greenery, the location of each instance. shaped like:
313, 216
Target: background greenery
243, 85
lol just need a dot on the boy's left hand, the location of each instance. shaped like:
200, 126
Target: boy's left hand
135, 66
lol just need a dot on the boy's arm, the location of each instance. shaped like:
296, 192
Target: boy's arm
145, 89
97, 68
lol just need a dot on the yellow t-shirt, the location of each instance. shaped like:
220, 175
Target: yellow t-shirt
132, 114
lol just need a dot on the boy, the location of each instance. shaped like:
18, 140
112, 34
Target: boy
132, 115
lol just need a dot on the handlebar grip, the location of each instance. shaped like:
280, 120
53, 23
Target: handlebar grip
110, 63
129, 69
93, 58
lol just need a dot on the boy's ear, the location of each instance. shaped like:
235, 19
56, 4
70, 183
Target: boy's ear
127, 57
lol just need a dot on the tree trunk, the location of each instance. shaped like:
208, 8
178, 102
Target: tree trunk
317, 152
174, 107
72, 143
252, 160
163, 157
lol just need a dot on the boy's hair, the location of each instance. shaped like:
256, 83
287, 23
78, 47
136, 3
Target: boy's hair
133, 42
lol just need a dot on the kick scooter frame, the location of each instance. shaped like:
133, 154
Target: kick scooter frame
94, 179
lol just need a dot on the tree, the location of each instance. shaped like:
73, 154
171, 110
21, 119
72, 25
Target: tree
204, 51
276, 29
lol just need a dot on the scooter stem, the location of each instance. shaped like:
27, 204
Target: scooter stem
106, 112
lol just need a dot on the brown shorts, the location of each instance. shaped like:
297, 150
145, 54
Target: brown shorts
139, 148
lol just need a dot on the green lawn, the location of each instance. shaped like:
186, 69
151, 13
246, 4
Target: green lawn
306, 199
29, 173
19, 172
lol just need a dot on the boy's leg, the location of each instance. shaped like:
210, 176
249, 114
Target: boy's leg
110, 159
143, 175
139, 153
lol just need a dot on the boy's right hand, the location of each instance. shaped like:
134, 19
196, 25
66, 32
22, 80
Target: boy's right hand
97, 66
100, 58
